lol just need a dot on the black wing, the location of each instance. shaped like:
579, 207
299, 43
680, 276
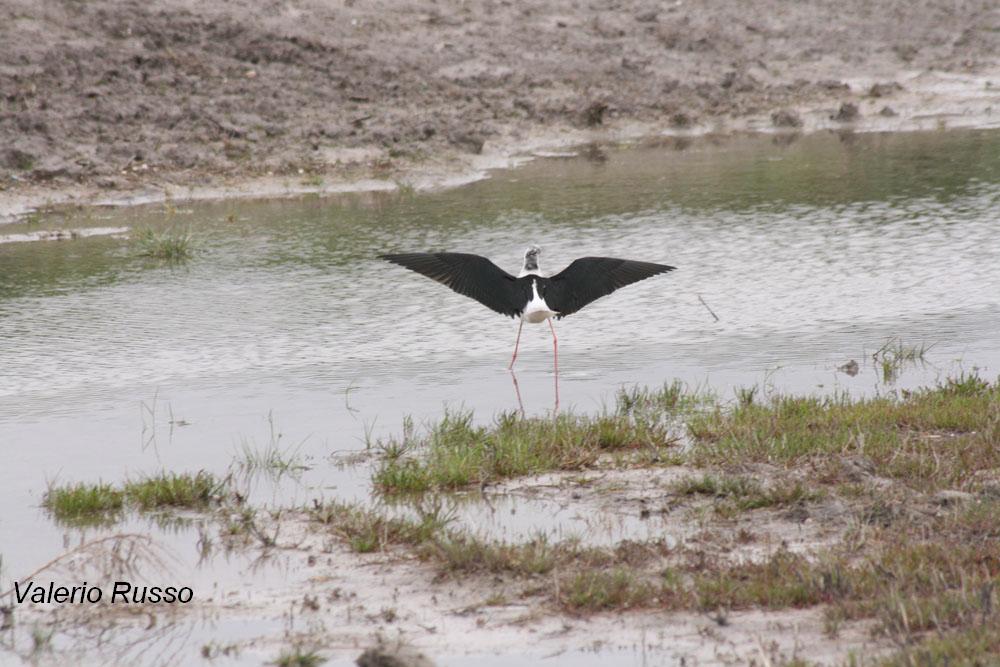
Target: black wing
589, 278
469, 275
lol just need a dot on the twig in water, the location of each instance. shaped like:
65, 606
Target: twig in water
712, 312
347, 399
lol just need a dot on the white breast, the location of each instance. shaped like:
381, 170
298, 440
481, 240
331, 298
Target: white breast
537, 310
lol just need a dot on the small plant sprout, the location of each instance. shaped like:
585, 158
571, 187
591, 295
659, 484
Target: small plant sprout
894, 355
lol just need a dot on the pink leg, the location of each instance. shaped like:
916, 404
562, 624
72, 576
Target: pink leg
555, 353
516, 343
555, 344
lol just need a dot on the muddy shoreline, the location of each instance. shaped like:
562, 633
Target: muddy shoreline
118, 103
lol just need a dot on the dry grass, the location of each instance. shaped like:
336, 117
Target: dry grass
929, 586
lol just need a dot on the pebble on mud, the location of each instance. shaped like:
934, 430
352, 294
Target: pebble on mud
833, 85
739, 82
396, 654
16, 159
593, 115
470, 142
594, 153
884, 89
848, 112
950, 497
786, 118
990, 490
681, 119
857, 468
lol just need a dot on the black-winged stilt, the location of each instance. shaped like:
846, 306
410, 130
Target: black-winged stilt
531, 296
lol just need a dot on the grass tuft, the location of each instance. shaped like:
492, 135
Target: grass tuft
299, 657
271, 460
601, 590
456, 453
894, 355
84, 504
171, 490
464, 553
173, 245
929, 438
366, 531
740, 494
783, 580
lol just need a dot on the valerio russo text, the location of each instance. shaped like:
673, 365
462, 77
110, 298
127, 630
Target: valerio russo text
122, 592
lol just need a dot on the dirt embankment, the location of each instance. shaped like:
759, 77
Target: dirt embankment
118, 95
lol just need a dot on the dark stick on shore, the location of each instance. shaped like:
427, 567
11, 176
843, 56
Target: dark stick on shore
712, 312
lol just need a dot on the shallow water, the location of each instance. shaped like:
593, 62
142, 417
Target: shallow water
285, 328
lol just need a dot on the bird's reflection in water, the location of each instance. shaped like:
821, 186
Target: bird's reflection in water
517, 392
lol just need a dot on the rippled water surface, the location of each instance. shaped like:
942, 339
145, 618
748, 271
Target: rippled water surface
285, 328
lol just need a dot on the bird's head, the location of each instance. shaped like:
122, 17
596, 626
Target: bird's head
531, 258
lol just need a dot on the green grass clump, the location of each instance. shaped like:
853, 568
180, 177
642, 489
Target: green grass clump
300, 657
783, 580
94, 504
745, 493
930, 584
588, 576
464, 553
616, 589
931, 437
934, 437
171, 490
457, 453
975, 646
367, 531
84, 504
894, 355
271, 460
172, 245
672, 398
